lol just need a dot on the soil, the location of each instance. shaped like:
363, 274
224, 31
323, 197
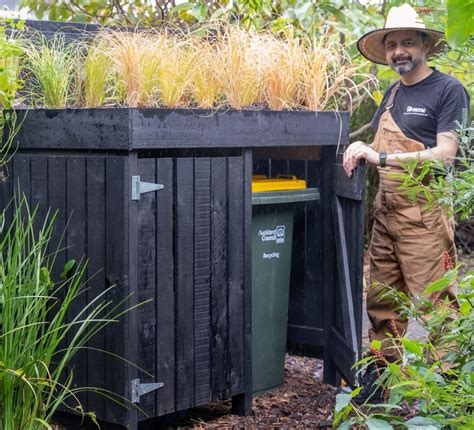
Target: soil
302, 402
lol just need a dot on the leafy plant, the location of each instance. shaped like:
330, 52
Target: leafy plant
10, 82
431, 387
452, 184
35, 376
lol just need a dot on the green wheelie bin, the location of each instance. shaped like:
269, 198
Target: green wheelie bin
273, 207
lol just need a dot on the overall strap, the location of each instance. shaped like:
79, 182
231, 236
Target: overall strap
393, 93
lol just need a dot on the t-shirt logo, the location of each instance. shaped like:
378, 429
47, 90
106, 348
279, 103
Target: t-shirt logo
415, 111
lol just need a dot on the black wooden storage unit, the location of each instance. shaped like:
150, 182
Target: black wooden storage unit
187, 246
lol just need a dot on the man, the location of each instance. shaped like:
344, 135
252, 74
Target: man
415, 120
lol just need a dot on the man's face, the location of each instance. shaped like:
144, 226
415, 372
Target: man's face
404, 51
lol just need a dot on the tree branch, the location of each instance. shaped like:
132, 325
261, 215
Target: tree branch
359, 131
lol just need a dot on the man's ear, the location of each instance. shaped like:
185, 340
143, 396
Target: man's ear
426, 46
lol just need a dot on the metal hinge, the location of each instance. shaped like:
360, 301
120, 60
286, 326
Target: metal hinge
139, 187
139, 390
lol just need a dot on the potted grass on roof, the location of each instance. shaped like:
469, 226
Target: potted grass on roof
146, 142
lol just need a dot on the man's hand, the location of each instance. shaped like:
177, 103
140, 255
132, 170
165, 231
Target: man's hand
355, 152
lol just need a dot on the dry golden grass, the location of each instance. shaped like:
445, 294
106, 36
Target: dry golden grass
206, 87
240, 68
283, 66
135, 59
175, 70
93, 76
227, 66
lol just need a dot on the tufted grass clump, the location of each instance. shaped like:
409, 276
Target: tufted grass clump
51, 66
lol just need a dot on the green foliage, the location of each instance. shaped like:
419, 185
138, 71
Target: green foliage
51, 65
435, 376
10, 54
35, 373
451, 185
459, 24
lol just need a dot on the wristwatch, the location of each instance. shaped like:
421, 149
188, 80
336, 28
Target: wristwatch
383, 159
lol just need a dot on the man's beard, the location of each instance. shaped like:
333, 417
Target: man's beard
404, 68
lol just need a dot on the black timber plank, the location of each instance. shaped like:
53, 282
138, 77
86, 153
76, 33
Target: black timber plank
146, 264
76, 250
57, 203
39, 189
130, 286
349, 187
63, 27
165, 298
313, 253
22, 183
298, 288
278, 167
342, 355
359, 264
344, 270
242, 403
95, 209
126, 129
6, 191
304, 335
328, 155
114, 272
184, 171
70, 129
236, 269
180, 128
219, 286
202, 274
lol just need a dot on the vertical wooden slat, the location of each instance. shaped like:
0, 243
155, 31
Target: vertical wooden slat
6, 192
242, 403
114, 272
146, 258
21, 185
202, 274
313, 253
184, 172
39, 189
57, 204
164, 298
278, 167
219, 289
298, 288
327, 157
96, 364
236, 273
130, 285
76, 250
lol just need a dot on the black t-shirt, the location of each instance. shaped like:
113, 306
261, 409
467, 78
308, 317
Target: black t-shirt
426, 108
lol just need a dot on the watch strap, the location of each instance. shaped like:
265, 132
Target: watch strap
383, 159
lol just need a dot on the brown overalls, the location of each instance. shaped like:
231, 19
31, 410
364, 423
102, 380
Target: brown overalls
409, 243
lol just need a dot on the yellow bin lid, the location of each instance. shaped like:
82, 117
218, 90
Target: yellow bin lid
261, 183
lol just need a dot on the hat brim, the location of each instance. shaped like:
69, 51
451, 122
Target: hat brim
370, 45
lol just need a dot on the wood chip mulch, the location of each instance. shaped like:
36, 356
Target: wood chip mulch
302, 402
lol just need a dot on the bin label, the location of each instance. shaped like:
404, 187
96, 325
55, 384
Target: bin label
270, 255
277, 234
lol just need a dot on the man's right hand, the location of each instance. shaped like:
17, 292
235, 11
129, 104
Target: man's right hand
352, 156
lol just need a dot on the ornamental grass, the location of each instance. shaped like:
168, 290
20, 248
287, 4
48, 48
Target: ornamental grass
36, 372
226, 66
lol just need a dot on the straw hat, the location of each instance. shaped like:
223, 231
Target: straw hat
399, 18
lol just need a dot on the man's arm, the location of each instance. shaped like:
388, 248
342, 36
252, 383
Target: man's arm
445, 150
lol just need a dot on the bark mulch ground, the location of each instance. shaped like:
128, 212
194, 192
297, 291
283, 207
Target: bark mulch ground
302, 402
